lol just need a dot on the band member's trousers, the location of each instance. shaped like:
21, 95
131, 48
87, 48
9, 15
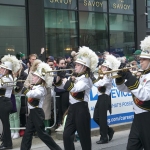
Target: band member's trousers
36, 123
100, 116
5, 109
139, 137
78, 119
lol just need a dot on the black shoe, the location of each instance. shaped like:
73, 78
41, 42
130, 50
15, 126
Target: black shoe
111, 135
6, 147
102, 141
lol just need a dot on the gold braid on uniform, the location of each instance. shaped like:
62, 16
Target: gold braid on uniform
69, 85
132, 83
25, 90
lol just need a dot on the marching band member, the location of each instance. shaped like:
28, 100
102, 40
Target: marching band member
9, 64
36, 118
140, 88
78, 118
104, 100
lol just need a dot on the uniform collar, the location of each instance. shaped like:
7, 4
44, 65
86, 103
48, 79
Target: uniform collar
146, 71
84, 73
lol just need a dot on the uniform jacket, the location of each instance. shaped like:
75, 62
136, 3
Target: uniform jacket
82, 84
7, 87
38, 92
140, 88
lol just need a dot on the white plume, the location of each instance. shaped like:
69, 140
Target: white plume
87, 52
48, 78
145, 44
16, 64
114, 61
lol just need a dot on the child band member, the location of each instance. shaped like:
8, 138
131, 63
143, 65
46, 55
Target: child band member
104, 100
36, 95
9, 64
140, 88
79, 86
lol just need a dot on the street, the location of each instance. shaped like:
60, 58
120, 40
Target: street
118, 142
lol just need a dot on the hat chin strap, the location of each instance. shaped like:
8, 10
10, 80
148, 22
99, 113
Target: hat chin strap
4, 72
37, 81
148, 66
81, 69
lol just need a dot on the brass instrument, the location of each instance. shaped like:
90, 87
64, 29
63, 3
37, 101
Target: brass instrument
11, 83
51, 72
60, 70
110, 73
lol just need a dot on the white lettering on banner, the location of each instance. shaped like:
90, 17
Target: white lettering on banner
120, 118
115, 105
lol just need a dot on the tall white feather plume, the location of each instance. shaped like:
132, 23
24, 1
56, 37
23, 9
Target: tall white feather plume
114, 61
145, 44
87, 52
48, 78
16, 65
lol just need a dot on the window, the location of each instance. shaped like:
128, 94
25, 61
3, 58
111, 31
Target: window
61, 31
12, 30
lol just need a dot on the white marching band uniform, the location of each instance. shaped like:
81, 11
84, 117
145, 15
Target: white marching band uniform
35, 122
38, 92
107, 82
140, 89
142, 92
11, 64
6, 78
103, 103
78, 117
82, 83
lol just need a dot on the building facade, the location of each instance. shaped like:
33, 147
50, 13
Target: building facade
61, 26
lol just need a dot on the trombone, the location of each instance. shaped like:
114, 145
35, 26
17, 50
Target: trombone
110, 73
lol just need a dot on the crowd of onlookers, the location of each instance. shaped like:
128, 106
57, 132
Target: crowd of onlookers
62, 96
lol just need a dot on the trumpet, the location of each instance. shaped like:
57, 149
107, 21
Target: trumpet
60, 70
110, 73
11, 83
51, 71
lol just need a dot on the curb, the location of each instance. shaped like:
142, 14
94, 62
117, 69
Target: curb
95, 132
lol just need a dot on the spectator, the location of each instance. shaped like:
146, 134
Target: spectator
70, 63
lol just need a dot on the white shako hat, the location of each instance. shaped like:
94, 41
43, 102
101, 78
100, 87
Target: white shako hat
41, 72
145, 47
87, 57
10, 62
111, 62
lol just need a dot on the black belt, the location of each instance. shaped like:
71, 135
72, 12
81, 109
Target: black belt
34, 102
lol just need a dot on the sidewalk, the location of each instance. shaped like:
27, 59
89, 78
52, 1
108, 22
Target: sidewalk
119, 142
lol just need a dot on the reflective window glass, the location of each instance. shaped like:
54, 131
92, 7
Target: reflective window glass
12, 30
148, 2
61, 31
13, 2
122, 34
93, 30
